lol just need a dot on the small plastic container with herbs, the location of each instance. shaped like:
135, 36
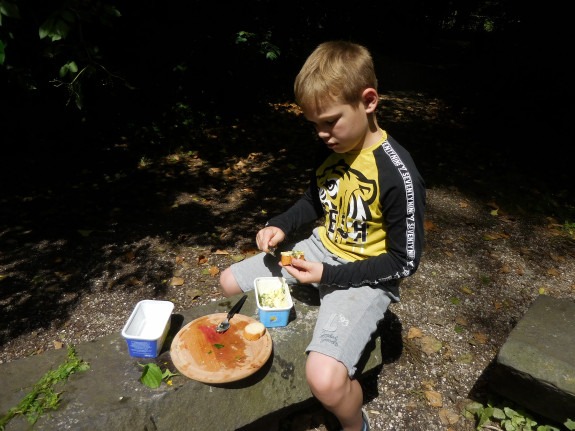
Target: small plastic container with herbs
274, 301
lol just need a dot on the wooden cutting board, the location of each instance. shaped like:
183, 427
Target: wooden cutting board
201, 353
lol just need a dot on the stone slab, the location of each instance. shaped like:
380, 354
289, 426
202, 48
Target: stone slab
535, 367
110, 396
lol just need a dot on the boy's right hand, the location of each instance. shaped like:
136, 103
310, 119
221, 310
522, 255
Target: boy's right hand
269, 236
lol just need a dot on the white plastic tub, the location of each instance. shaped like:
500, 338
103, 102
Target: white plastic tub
147, 327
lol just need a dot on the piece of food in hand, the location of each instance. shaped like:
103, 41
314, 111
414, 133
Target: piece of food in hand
254, 331
287, 256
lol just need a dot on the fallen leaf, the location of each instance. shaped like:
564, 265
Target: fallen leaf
427, 385
460, 320
496, 235
214, 270
202, 259
248, 250
414, 333
58, 344
497, 305
448, 253
430, 345
179, 260
238, 257
494, 212
557, 258
193, 293
434, 399
481, 338
463, 204
467, 290
428, 225
221, 252
176, 281
505, 269
130, 256
133, 281
448, 416
553, 272
466, 358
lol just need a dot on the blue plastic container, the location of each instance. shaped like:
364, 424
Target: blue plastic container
147, 327
273, 316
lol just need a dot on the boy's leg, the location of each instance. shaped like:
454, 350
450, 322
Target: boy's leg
331, 385
228, 283
346, 321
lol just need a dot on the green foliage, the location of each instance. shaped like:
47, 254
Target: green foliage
57, 26
64, 49
43, 396
568, 228
152, 375
508, 416
9, 9
261, 43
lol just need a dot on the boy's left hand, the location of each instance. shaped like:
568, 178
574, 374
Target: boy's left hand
304, 271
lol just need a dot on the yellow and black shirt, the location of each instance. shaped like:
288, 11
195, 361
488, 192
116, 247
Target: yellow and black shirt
372, 201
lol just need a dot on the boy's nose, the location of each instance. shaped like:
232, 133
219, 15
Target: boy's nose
323, 134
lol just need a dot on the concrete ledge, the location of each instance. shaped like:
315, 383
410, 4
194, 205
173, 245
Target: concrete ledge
535, 366
110, 396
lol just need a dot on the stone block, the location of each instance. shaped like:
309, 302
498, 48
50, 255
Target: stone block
535, 367
110, 396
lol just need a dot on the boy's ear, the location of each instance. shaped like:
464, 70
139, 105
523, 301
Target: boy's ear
369, 98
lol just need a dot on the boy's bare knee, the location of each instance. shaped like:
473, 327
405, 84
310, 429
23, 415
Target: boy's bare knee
228, 283
325, 375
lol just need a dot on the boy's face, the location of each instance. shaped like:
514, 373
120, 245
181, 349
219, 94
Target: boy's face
343, 127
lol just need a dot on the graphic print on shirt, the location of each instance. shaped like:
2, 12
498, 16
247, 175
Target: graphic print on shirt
346, 195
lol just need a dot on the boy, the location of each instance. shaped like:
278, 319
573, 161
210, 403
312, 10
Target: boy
372, 199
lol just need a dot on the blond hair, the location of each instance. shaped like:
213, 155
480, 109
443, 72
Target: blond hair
335, 71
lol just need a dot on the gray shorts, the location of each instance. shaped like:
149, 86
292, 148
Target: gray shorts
347, 318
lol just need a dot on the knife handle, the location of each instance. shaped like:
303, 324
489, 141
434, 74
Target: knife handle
237, 307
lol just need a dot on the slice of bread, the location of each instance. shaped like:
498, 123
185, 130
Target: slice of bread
254, 331
287, 256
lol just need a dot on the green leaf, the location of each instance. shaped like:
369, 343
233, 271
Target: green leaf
218, 346
111, 10
9, 8
498, 414
2, 52
151, 375
484, 417
64, 70
510, 412
167, 374
570, 424
54, 28
68, 67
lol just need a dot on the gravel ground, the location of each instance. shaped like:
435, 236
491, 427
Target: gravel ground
76, 256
